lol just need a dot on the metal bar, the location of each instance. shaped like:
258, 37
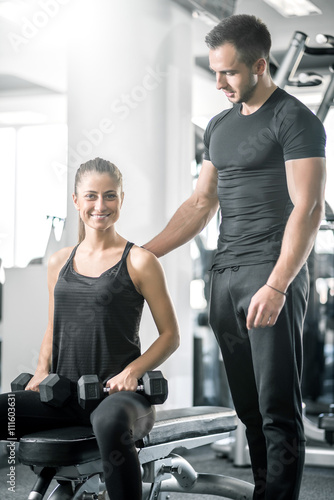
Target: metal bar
291, 60
158, 451
319, 51
319, 457
327, 100
213, 484
241, 452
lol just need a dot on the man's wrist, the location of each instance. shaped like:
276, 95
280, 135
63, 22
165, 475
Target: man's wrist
279, 279
277, 290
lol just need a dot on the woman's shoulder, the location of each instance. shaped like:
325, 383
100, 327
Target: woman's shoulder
59, 258
140, 256
143, 264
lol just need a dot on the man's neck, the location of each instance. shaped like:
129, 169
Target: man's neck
263, 91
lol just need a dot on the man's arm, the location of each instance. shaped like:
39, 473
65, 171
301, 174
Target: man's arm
306, 183
192, 216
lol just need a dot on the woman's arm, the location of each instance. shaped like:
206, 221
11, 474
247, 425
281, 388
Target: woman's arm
56, 262
148, 277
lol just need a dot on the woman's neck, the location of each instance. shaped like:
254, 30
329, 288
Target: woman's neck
101, 240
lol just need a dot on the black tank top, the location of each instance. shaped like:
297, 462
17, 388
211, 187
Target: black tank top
96, 321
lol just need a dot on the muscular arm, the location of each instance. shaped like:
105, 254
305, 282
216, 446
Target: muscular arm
148, 276
306, 184
192, 216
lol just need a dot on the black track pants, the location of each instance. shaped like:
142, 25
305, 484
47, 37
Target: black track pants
264, 366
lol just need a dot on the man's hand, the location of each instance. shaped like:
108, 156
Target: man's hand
264, 308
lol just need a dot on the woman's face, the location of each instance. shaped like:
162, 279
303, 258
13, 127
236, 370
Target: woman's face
99, 200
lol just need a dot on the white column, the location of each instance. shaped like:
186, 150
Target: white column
129, 95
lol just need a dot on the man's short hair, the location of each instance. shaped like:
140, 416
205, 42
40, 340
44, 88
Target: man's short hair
248, 34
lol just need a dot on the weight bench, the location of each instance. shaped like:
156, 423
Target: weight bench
71, 456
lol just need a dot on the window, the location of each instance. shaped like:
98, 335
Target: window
33, 177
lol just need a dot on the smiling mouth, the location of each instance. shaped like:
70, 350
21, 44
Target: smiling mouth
100, 216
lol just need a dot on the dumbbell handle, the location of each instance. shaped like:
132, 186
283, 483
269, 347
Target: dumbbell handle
152, 385
139, 388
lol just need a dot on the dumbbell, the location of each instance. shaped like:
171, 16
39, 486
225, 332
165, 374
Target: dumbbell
54, 389
153, 386
20, 382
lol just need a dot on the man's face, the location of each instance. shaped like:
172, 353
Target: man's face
234, 78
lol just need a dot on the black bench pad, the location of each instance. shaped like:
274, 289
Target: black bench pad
74, 445
59, 447
173, 425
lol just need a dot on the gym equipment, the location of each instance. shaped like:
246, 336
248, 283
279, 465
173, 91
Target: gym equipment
54, 390
315, 455
298, 47
90, 389
71, 456
327, 100
235, 446
288, 67
326, 422
20, 382
291, 60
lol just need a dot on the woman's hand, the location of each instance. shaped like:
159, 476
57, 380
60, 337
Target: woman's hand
33, 384
124, 381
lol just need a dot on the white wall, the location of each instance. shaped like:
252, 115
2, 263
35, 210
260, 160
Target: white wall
137, 49
25, 309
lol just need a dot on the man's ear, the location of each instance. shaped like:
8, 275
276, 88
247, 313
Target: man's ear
260, 66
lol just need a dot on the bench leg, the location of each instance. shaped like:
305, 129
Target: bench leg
88, 490
43, 481
63, 491
175, 474
213, 484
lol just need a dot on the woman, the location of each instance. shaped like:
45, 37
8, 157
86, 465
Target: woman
96, 295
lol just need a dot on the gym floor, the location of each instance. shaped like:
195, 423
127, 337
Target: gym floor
318, 482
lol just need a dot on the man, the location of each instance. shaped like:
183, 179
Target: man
264, 165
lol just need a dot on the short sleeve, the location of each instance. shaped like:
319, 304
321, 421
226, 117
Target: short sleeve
301, 133
206, 140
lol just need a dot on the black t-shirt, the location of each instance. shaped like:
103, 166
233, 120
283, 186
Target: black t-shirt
249, 152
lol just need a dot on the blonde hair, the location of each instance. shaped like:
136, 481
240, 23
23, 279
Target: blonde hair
102, 167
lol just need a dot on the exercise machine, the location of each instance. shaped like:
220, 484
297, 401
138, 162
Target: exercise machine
285, 73
71, 457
